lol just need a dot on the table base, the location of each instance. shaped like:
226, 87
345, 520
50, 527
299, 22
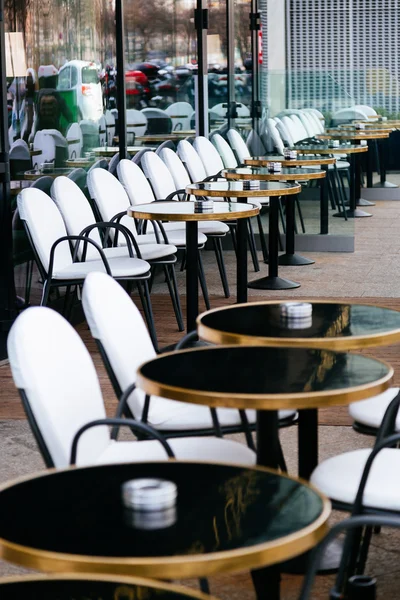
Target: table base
385, 184
352, 214
272, 283
294, 260
363, 202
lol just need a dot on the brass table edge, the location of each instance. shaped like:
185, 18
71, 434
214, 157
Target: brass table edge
252, 211
182, 566
295, 189
274, 176
290, 162
338, 150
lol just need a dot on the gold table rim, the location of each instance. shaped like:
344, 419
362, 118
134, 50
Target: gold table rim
298, 400
251, 211
276, 176
339, 344
179, 566
122, 579
338, 150
288, 191
287, 162
352, 136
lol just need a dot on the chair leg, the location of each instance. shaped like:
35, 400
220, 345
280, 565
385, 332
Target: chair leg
221, 264
204, 585
203, 283
262, 239
232, 229
148, 311
173, 292
45, 293
66, 300
28, 281
252, 246
300, 213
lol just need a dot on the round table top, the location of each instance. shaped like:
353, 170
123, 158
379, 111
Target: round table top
262, 161
334, 325
111, 150
262, 173
237, 189
360, 135
80, 162
34, 174
264, 378
228, 518
107, 587
325, 149
369, 128
161, 137
186, 211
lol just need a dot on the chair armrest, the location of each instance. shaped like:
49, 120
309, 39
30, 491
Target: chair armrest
78, 238
107, 225
131, 423
173, 194
183, 342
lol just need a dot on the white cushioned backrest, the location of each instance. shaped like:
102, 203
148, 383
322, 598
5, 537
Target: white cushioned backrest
318, 125
283, 131
76, 212
302, 132
137, 118
157, 172
369, 111
46, 144
255, 145
110, 198
46, 226
209, 156
274, 133
306, 124
115, 321
134, 182
180, 113
74, 133
192, 161
225, 151
51, 363
348, 114
176, 167
238, 144
292, 129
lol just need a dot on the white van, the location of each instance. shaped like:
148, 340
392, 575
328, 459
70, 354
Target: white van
82, 77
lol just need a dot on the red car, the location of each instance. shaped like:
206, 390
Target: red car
137, 85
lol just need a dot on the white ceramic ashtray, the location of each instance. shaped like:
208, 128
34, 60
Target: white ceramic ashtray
296, 310
274, 167
148, 494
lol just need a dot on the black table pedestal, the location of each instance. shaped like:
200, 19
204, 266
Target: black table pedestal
382, 150
192, 274
290, 258
272, 281
355, 186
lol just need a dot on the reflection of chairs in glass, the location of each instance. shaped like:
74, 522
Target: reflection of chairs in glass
99, 164
180, 113
168, 144
74, 140
79, 177
20, 159
90, 134
346, 115
102, 130
110, 126
46, 145
158, 121
136, 125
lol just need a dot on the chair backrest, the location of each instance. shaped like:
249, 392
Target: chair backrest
110, 198
90, 134
176, 167
79, 176
102, 163
76, 212
345, 115
369, 111
192, 161
283, 132
113, 164
255, 145
225, 151
157, 173
275, 137
238, 145
110, 126
55, 374
167, 144
44, 183
136, 124
20, 158
302, 131
74, 132
158, 121
210, 158
45, 225
134, 182
116, 323
102, 130
292, 129
308, 126
180, 113
137, 159
46, 145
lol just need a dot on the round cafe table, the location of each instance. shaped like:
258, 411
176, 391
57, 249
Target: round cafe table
240, 190
186, 211
268, 379
227, 518
353, 151
289, 258
300, 161
106, 587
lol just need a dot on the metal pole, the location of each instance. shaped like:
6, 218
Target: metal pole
255, 26
121, 94
7, 287
230, 44
201, 99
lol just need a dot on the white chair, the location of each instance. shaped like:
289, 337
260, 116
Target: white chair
110, 126
369, 111
283, 132
74, 140
368, 414
346, 115
180, 113
238, 146
225, 151
45, 144
78, 217
255, 145
56, 263
136, 125
60, 391
158, 121
102, 130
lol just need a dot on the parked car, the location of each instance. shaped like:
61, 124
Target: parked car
79, 82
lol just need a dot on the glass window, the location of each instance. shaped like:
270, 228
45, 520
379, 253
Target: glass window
89, 75
64, 78
74, 76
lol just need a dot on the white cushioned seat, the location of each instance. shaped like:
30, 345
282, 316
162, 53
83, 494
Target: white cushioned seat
201, 448
124, 266
370, 412
339, 478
